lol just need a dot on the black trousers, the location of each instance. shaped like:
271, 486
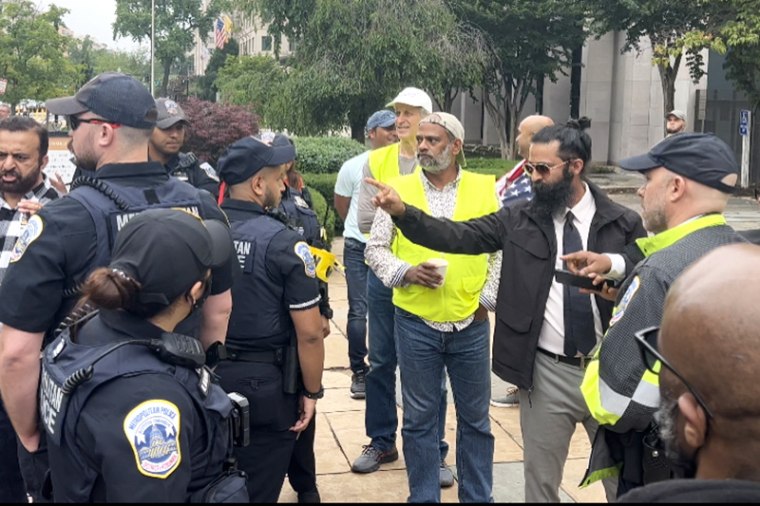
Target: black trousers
267, 458
11, 484
302, 472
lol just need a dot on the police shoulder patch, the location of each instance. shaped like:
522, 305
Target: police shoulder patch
31, 232
152, 429
619, 310
303, 252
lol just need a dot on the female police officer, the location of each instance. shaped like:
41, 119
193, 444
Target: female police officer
128, 407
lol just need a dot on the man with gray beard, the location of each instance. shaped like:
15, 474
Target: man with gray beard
688, 180
441, 315
709, 414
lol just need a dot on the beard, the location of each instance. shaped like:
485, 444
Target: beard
685, 467
550, 199
22, 184
655, 220
436, 164
272, 198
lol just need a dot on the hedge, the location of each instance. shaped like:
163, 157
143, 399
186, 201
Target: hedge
325, 213
318, 155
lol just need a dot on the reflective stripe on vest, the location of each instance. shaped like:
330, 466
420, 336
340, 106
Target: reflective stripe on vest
459, 296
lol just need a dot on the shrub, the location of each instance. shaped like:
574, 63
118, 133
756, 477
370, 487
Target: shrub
325, 154
495, 166
215, 126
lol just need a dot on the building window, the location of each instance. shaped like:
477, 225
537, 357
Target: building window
266, 43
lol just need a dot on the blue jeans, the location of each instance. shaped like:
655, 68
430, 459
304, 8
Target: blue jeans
423, 353
356, 280
380, 419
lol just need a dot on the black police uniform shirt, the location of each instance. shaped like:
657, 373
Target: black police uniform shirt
188, 168
137, 438
59, 244
290, 268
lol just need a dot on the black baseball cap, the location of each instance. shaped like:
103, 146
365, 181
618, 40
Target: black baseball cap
247, 156
114, 96
703, 158
168, 250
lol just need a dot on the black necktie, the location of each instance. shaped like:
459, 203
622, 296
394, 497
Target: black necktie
579, 317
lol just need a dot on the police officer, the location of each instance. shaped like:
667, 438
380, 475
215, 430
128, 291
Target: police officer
128, 407
275, 326
165, 144
297, 205
111, 119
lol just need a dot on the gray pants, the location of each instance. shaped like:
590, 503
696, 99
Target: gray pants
548, 417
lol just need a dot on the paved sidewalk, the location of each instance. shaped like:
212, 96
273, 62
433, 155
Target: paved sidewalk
340, 436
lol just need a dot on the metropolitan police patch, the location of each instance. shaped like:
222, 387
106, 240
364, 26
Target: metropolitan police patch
304, 253
619, 310
152, 429
28, 236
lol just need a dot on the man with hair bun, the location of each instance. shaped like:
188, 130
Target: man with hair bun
128, 406
545, 331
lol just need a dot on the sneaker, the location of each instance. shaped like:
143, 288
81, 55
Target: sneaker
371, 458
446, 476
510, 399
358, 386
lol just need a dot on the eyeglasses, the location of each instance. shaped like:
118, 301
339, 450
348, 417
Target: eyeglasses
651, 356
75, 121
542, 168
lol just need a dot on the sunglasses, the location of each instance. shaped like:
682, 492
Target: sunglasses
75, 121
651, 357
542, 168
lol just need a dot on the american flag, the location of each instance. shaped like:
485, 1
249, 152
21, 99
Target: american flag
220, 35
520, 190
514, 186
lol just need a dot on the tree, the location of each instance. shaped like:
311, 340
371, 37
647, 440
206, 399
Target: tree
353, 56
206, 83
215, 126
675, 29
32, 53
176, 22
253, 81
92, 61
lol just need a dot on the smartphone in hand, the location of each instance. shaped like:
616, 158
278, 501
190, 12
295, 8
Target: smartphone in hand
568, 278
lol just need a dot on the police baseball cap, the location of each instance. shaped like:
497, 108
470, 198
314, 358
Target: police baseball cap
169, 113
113, 96
452, 125
703, 158
381, 119
413, 97
282, 140
245, 157
168, 250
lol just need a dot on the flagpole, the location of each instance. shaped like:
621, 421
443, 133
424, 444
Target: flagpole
152, 44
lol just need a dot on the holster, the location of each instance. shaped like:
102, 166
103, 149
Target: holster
290, 367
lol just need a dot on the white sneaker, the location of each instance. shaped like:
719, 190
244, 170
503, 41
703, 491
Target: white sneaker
509, 400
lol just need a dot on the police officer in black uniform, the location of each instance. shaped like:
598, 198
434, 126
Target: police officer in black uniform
165, 144
275, 327
129, 408
297, 205
111, 119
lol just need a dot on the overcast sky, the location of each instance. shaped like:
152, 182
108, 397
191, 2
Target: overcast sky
94, 18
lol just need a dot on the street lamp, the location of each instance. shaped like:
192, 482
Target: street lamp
152, 44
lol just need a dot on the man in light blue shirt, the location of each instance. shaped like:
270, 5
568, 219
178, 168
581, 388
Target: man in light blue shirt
381, 131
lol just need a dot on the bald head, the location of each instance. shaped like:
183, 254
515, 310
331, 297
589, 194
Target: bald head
527, 129
710, 331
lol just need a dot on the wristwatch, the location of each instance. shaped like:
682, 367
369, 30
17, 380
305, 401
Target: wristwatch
316, 395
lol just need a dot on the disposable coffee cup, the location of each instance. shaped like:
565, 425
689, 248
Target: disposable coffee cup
440, 267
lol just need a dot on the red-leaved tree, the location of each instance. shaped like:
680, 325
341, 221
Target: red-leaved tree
214, 126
